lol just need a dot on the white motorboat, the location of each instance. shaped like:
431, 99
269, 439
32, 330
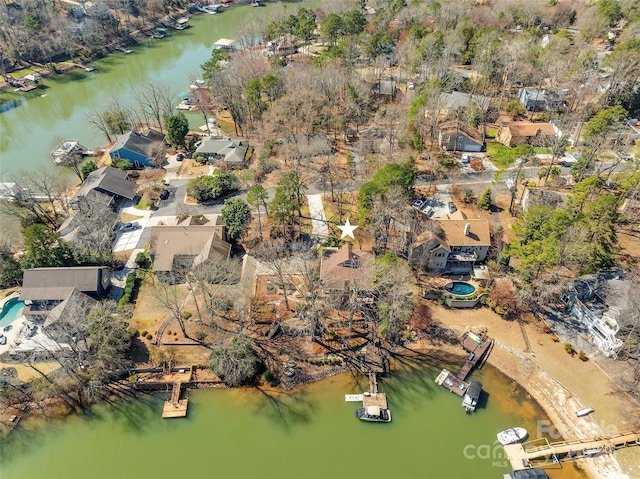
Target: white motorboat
584, 411
512, 435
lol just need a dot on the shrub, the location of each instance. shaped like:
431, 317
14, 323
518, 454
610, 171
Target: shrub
133, 332
582, 356
200, 336
568, 347
169, 332
185, 314
149, 337
267, 376
143, 260
144, 333
124, 165
484, 203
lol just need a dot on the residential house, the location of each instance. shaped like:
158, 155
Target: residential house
456, 100
588, 302
233, 152
458, 136
346, 269
284, 45
542, 99
299, 147
9, 191
514, 133
385, 88
139, 148
176, 249
462, 244
105, 186
45, 288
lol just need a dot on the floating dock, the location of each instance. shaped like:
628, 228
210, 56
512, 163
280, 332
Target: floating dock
452, 383
523, 456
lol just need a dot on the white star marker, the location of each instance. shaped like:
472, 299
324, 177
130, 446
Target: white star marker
347, 230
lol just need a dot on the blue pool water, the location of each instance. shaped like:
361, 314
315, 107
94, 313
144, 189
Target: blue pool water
10, 312
460, 289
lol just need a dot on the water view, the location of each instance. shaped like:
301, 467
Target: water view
309, 433
59, 108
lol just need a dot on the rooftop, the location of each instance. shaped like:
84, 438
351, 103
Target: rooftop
55, 284
346, 264
528, 128
479, 232
108, 179
142, 143
199, 243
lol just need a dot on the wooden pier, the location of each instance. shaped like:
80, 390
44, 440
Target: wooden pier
523, 456
477, 353
448, 381
176, 407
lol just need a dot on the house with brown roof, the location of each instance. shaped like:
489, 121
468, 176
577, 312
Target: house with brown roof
458, 136
462, 244
514, 133
176, 249
45, 288
345, 269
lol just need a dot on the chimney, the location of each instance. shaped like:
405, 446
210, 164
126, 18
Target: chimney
467, 229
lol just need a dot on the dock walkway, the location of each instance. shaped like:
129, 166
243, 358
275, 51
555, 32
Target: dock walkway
521, 456
477, 353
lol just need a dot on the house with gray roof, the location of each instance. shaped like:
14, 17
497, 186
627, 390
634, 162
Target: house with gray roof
139, 148
106, 185
233, 152
457, 100
45, 288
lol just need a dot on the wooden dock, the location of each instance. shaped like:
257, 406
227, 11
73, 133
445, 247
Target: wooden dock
525, 456
476, 353
176, 407
448, 381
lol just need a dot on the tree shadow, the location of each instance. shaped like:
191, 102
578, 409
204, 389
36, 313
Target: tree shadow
283, 408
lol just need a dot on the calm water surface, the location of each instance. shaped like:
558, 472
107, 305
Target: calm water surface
310, 433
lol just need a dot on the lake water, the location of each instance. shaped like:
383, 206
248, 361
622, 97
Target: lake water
309, 433
59, 108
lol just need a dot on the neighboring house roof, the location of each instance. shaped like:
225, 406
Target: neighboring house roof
141, 143
479, 232
233, 151
198, 243
529, 129
339, 266
453, 127
457, 99
110, 180
385, 87
55, 284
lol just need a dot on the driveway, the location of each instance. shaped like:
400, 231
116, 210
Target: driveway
318, 219
129, 239
440, 202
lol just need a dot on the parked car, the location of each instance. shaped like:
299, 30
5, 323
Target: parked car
452, 207
410, 85
465, 160
521, 161
131, 226
3, 339
418, 203
179, 157
164, 194
428, 211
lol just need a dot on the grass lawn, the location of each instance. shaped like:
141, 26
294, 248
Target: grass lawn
492, 132
500, 155
542, 150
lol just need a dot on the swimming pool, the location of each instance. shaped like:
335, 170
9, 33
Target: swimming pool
11, 310
458, 288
